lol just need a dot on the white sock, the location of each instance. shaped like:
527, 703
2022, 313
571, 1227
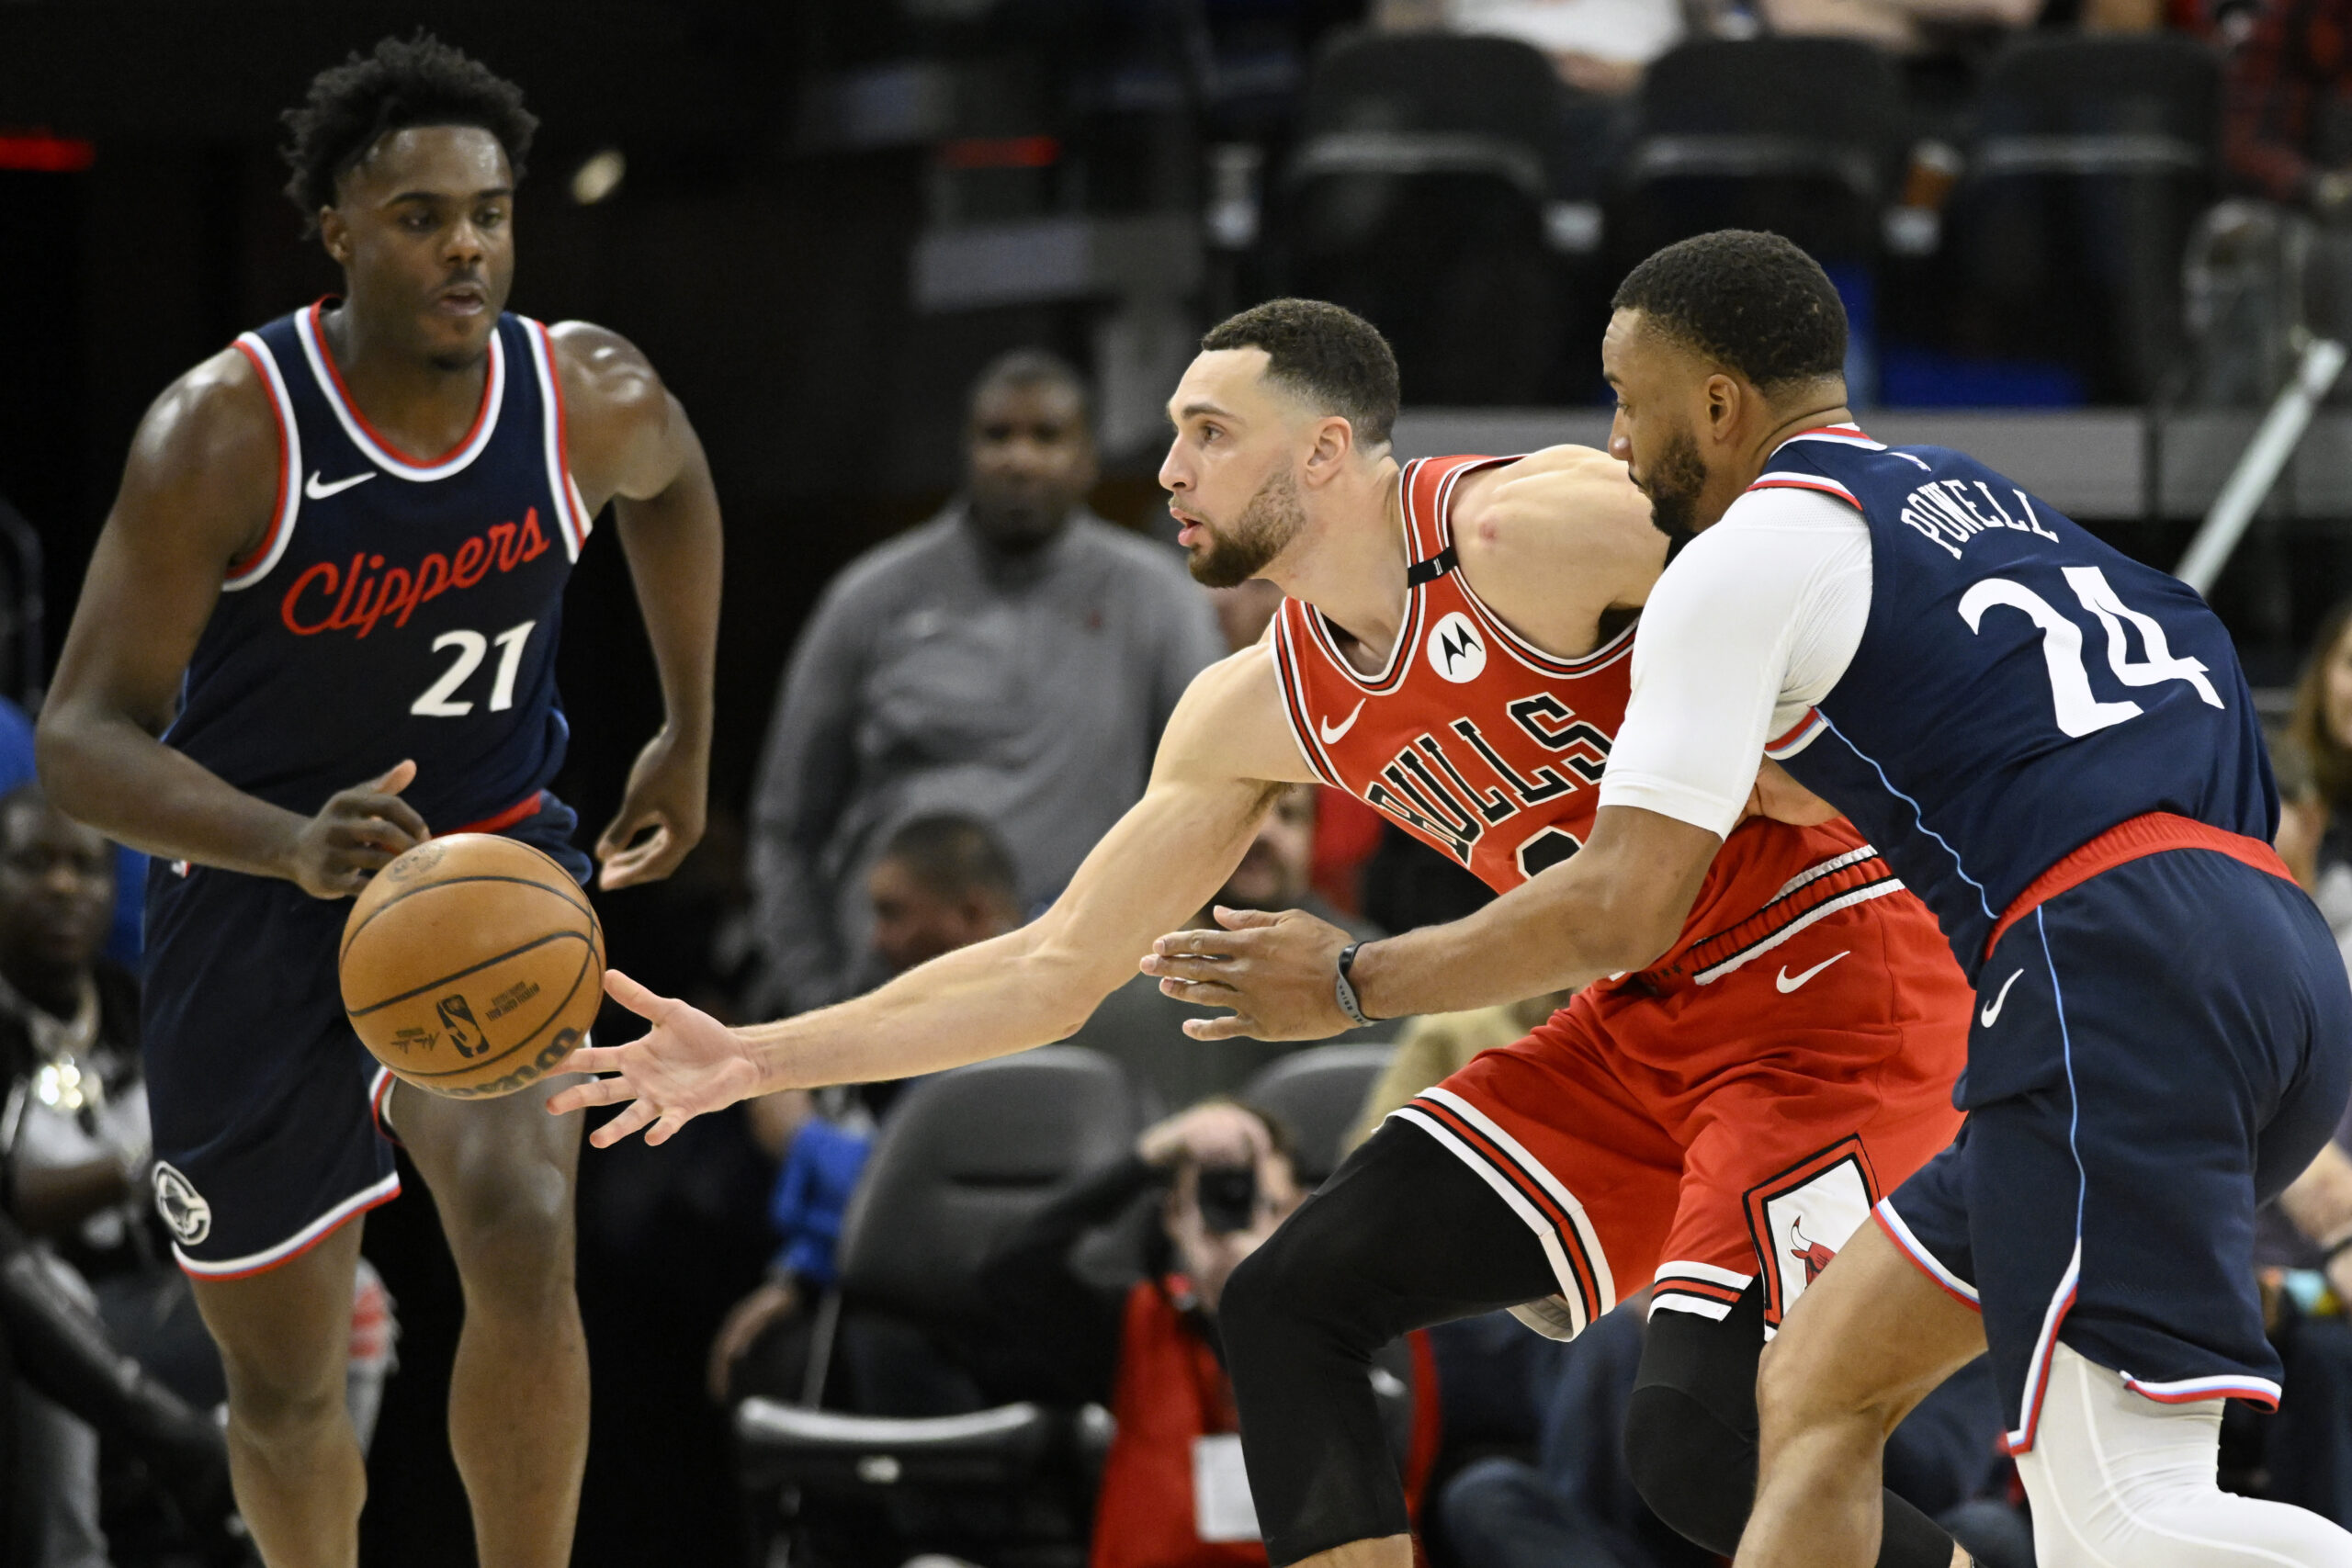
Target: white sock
2119, 1481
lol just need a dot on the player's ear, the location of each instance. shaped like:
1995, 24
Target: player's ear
1335, 442
1727, 399
335, 235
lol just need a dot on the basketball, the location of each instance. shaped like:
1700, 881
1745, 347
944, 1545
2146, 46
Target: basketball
472, 965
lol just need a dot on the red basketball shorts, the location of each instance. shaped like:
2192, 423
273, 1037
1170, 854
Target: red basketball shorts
1692, 1136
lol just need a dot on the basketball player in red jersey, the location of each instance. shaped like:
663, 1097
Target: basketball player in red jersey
1455, 650
343, 645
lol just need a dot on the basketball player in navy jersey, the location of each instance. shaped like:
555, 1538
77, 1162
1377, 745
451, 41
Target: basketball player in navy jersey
319, 626
2055, 747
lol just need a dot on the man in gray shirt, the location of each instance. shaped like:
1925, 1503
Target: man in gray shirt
1012, 659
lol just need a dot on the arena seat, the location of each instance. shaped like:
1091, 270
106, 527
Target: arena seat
1417, 195
1798, 135
2092, 161
963, 1157
1318, 1094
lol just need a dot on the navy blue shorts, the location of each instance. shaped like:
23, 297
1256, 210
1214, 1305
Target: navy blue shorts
2155, 1052
265, 1103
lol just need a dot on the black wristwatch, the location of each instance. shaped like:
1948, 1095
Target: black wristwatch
1344, 992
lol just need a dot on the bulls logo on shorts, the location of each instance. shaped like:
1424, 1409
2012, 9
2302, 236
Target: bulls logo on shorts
1802, 1217
1456, 651
183, 1207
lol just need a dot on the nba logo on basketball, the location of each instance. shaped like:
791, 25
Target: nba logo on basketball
458, 1020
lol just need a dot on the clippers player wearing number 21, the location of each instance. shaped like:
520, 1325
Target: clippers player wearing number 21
319, 626
1455, 650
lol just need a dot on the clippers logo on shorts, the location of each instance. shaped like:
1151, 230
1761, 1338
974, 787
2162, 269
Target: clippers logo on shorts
1456, 652
458, 1018
1801, 1217
183, 1207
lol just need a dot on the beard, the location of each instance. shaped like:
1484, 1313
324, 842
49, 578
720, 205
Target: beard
1266, 526
1675, 483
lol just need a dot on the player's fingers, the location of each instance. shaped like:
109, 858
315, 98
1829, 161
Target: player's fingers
1228, 1027
648, 861
1206, 993
390, 811
667, 1128
397, 778
1243, 919
1184, 967
1195, 944
639, 1114
645, 1003
595, 1091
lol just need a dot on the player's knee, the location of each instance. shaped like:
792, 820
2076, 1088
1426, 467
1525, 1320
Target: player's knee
278, 1395
1694, 1471
1295, 1284
509, 1218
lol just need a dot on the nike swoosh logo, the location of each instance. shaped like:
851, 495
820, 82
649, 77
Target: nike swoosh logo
1789, 983
318, 492
1331, 734
1993, 1008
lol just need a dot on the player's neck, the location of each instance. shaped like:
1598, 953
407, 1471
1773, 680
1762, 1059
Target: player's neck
1729, 484
1349, 564
423, 406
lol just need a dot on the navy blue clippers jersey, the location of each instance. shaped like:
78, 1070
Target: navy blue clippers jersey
2019, 689
397, 608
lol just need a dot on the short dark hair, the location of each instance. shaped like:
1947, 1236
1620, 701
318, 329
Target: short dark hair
1036, 368
1753, 301
953, 856
403, 82
1325, 352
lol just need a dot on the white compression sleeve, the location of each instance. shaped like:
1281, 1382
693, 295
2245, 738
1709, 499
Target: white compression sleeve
2118, 1480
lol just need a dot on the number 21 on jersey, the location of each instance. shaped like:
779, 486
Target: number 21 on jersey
440, 699
2079, 711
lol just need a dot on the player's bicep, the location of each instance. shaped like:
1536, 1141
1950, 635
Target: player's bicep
199, 492
629, 436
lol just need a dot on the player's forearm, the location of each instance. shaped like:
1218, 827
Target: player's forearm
675, 548
1609, 910
104, 770
990, 999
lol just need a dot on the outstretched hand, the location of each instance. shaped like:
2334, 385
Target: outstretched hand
661, 817
688, 1063
1276, 973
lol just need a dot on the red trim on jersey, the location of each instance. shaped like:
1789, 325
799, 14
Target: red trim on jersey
2136, 839
526, 806
1703, 1290
1826, 487
2256, 1393
260, 552
1831, 430
343, 394
1812, 718
578, 525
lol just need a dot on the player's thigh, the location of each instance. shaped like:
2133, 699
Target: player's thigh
1552, 1130
1873, 1334
284, 1333
502, 1173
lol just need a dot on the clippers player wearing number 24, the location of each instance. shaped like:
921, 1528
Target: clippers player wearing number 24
320, 624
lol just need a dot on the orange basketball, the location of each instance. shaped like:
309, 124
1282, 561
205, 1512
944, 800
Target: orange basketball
472, 965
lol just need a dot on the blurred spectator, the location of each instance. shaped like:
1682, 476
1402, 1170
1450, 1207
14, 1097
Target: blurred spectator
941, 883
1598, 46
1173, 1493
1145, 1029
1904, 26
2302, 1454
1015, 659
2287, 127
2315, 826
123, 934
1575, 1506
86, 1288
1434, 1048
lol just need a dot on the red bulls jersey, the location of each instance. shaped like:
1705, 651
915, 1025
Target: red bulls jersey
1480, 743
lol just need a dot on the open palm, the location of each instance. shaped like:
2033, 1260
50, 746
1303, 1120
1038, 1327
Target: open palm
688, 1063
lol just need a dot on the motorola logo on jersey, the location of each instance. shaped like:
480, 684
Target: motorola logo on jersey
1456, 650
331, 598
